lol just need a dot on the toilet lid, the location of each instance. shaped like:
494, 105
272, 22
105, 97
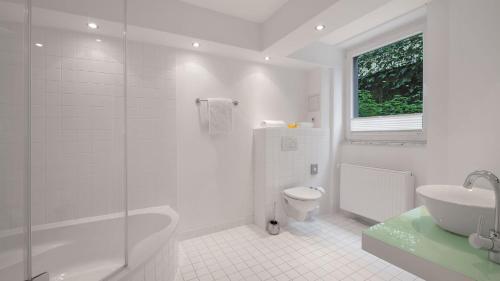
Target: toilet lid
302, 193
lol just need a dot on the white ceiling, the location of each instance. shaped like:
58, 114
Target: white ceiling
291, 39
252, 10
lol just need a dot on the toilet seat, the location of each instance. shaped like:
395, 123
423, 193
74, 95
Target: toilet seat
302, 193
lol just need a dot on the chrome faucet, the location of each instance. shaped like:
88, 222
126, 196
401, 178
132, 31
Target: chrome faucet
476, 240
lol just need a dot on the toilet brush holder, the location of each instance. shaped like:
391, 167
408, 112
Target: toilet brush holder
273, 227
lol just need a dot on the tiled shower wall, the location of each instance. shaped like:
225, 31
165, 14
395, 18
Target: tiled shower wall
152, 172
77, 127
12, 126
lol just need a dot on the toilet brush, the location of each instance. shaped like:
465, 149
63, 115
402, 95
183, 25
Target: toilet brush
273, 226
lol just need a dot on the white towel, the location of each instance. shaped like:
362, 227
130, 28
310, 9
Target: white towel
272, 123
220, 116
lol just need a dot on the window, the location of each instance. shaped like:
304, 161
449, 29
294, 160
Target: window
387, 90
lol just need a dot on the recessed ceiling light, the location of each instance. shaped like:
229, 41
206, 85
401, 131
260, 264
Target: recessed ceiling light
98, 40
92, 25
267, 58
196, 44
39, 45
320, 27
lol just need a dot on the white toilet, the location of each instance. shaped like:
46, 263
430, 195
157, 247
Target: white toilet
300, 201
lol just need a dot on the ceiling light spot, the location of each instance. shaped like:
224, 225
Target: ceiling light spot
39, 45
92, 25
320, 27
267, 58
196, 44
98, 40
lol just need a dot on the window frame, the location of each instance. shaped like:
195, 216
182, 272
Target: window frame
397, 136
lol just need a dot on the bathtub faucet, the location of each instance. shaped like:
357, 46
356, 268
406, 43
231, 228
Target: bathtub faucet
476, 240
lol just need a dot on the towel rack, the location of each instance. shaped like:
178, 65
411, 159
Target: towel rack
198, 101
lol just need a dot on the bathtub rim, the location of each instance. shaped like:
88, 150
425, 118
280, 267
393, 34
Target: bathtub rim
144, 251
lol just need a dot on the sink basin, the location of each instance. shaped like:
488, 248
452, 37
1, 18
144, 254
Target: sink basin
457, 209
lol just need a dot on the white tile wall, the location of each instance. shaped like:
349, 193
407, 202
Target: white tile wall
152, 125
78, 126
276, 169
12, 126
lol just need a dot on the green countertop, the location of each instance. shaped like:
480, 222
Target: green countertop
415, 232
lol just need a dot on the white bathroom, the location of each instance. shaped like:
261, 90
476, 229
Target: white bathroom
193, 140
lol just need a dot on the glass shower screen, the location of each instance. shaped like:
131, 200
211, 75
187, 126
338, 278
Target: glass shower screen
13, 141
77, 138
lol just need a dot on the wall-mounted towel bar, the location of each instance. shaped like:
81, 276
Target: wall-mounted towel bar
198, 101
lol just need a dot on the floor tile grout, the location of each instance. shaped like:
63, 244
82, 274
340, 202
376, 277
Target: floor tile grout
328, 248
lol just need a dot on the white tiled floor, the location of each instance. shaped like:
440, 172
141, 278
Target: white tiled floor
328, 248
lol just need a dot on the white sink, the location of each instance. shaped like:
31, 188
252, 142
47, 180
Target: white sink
457, 209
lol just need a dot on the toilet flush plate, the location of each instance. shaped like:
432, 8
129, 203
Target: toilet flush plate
314, 169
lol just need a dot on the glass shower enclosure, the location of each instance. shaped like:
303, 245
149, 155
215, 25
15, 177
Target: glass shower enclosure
63, 194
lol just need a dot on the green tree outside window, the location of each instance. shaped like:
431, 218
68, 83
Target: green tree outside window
390, 79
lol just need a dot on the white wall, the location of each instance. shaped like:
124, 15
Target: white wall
215, 173
462, 67
319, 88
474, 96
314, 97
78, 129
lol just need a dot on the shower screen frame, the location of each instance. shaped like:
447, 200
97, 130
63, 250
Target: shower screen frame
28, 222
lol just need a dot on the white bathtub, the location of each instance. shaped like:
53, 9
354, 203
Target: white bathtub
90, 249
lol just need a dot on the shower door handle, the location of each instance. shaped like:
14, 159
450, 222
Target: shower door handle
41, 277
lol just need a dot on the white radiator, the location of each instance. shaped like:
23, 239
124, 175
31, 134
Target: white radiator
374, 193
